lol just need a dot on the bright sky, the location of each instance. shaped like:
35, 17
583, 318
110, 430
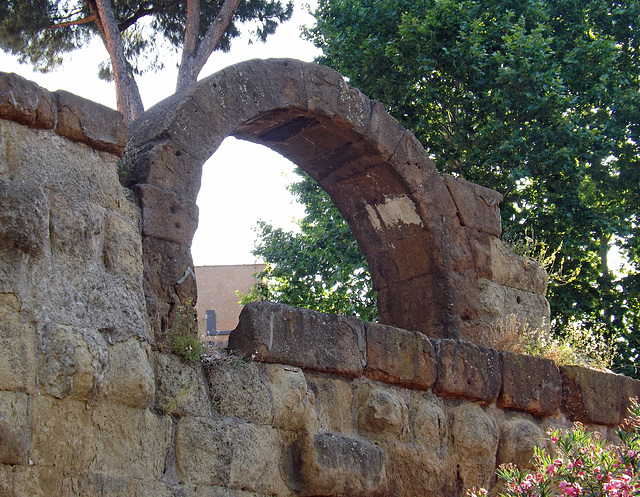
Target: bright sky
242, 182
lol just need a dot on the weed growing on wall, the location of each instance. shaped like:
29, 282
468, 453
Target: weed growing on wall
580, 464
183, 334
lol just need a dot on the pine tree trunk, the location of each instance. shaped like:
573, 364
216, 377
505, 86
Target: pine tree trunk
127, 94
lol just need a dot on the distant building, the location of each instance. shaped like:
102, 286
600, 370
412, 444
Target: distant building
218, 307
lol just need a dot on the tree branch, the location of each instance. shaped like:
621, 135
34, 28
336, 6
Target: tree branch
77, 22
127, 23
193, 62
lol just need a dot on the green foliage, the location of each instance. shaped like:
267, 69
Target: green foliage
581, 463
183, 334
319, 268
26, 28
537, 99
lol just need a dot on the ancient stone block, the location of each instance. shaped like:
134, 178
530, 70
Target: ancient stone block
531, 384
180, 388
13, 429
108, 438
237, 390
429, 425
405, 358
167, 216
466, 370
333, 397
478, 206
24, 217
308, 339
131, 378
397, 304
25, 102
497, 301
384, 131
332, 464
511, 270
590, 396
381, 413
85, 121
419, 471
630, 389
17, 353
122, 248
293, 403
518, 438
238, 455
173, 170
475, 441
72, 363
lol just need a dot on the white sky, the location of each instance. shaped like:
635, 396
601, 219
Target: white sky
248, 180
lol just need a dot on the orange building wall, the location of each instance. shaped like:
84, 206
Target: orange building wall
217, 287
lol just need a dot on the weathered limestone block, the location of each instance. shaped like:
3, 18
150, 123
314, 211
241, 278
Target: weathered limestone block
122, 248
330, 464
418, 471
42, 481
475, 438
180, 388
511, 270
238, 391
494, 302
108, 438
174, 170
413, 162
88, 122
24, 217
405, 358
429, 425
531, 384
166, 216
131, 378
333, 398
630, 389
518, 438
381, 413
235, 454
293, 403
72, 363
17, 353
13, 428
468, 371
308, 339
591, 396
478, 206
25, 102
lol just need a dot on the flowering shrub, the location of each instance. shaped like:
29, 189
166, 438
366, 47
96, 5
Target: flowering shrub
582, 465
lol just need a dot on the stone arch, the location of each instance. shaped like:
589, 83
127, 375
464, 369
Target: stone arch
431, 240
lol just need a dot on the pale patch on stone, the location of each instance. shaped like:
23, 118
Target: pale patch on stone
395, 211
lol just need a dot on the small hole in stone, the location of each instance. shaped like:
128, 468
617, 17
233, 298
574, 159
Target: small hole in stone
519, 300
178, 153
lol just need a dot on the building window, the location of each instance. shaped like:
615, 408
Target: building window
211, 322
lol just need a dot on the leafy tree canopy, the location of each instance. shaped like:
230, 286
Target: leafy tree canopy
537, 99
321, 267
42, 32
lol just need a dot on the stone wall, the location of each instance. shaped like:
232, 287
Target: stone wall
313, 405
